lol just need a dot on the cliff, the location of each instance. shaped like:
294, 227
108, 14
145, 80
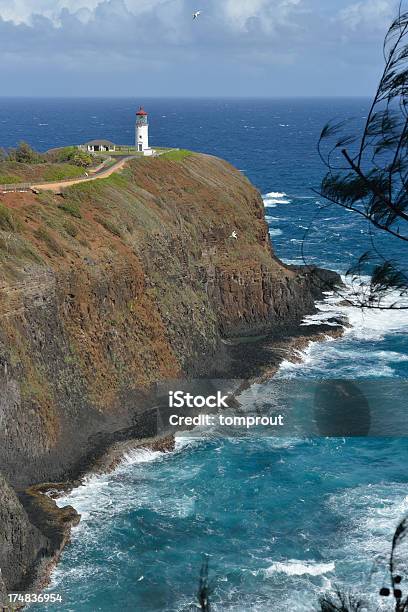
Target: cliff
114, 285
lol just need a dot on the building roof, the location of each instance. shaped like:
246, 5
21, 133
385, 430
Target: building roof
141, 111
104, 143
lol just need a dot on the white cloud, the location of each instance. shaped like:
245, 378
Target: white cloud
371, 14
269, 14
234, 14
21, 11
288, 39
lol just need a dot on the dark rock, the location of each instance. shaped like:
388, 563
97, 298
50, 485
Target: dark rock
139, 284
22, 545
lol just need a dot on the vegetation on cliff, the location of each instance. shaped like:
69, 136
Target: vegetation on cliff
23, 164
117, 284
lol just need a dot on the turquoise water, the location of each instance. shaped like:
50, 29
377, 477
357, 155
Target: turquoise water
282, 520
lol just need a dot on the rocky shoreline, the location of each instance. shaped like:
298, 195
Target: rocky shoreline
105, 292
39, 501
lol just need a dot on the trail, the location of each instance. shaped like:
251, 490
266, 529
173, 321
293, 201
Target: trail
103, 173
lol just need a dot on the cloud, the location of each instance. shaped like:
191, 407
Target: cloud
236, 14
242, 46
368, 14
269, 14
22, 11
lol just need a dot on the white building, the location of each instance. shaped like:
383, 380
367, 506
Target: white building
98, 145
142, 132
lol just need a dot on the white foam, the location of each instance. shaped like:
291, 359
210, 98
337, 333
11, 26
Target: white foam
373, 513
273, 231
273, 198
98, 486
294, 567
140, 455
366, 327
275, 194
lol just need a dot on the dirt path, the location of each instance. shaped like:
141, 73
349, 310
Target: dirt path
98, 175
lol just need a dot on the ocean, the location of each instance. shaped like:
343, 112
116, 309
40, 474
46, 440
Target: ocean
282, 520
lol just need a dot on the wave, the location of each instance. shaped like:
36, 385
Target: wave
273, 198
293, 567
273, 231
140, 455
373, 513
344, 362
355, 354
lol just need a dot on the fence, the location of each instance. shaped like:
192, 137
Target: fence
15, 187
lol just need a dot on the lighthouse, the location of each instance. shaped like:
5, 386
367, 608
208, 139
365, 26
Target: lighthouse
142, 132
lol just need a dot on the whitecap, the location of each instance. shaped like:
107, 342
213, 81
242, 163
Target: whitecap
295, 567
275, 197
275, 194
365, 327
271, 218
140, 455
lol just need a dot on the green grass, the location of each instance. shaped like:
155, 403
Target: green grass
117, 179
109, 226
52, 244
71, 208
71, 229
59, 172
10, 179
178, 155
7, 221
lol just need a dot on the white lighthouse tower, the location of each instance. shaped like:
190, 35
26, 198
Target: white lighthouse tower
142, 132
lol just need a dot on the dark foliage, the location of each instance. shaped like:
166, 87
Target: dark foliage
397, 590
367, 173
340, 602
204, 587
25, 154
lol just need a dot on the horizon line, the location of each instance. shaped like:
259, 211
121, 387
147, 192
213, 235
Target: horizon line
170, 97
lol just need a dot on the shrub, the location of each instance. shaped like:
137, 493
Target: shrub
25, 154
53, 245
71, 229
109, 225
7, 221
74, 156
82, 159
10, 179
71, 209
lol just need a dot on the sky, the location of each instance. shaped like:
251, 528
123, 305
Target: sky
262, 48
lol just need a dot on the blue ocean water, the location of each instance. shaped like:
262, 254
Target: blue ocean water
282, 520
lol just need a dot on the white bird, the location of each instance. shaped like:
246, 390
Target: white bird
234, 235
196, 14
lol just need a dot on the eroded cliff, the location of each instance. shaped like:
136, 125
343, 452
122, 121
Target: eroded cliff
119, 283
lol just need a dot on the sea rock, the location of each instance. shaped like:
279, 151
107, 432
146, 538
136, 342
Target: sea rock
21, 544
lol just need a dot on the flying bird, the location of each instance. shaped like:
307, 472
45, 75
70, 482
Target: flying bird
196, 14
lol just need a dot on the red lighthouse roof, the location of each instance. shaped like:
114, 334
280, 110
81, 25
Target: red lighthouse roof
141, 111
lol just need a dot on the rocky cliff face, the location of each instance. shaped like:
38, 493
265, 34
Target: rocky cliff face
21, 543
115, 285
